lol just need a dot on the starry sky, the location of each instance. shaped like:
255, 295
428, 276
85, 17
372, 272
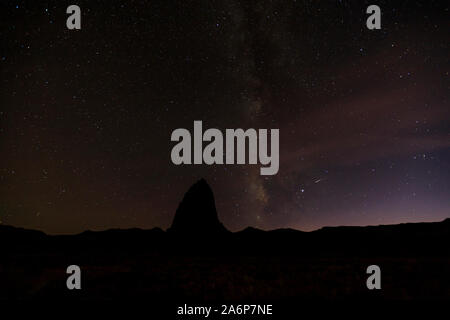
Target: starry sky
86, 116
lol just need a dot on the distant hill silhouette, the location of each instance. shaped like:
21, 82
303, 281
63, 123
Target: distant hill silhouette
196, 229
196, 215
197, 258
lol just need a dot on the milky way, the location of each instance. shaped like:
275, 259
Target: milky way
86, 116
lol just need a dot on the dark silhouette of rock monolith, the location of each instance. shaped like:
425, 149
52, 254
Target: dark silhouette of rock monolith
197, 215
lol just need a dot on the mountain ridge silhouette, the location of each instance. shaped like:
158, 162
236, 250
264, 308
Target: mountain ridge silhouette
202, 261
197, 228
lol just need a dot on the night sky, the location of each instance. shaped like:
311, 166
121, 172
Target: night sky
86, 116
